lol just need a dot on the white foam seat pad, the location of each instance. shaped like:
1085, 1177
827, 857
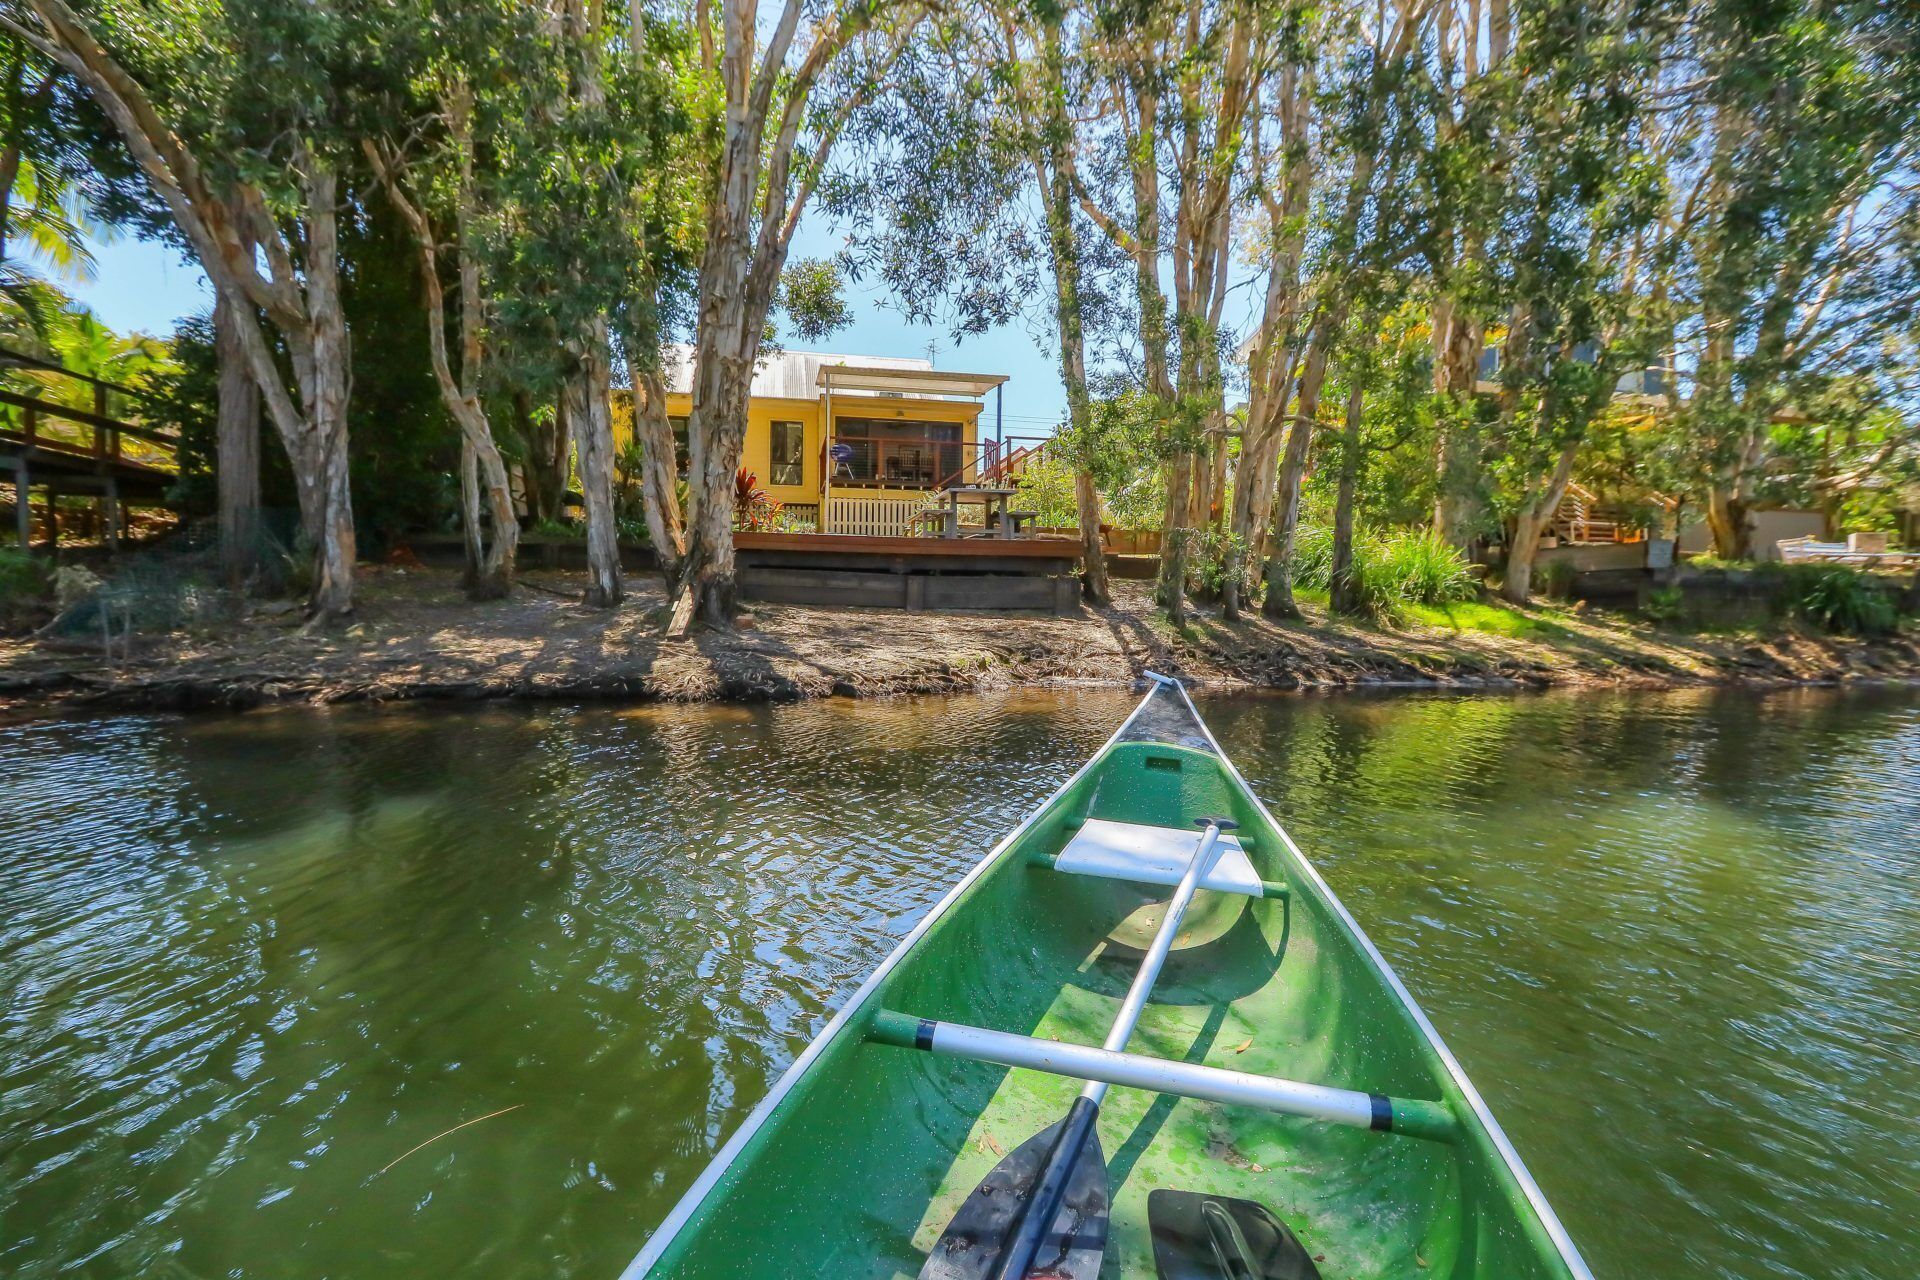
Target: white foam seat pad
1154, 855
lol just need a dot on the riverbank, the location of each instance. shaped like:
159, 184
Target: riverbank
417, 637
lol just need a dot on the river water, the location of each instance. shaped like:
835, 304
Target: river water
250, 963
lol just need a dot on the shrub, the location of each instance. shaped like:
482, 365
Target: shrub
1422, 567
1313, 556
1391, 569
566, 530
21, 575
1663, 604
1214, 554
1835, 598
1555, 578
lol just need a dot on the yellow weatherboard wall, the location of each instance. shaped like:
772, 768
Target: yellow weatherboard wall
764, 411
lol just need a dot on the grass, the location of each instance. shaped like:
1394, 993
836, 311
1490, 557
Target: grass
1458, 616
1474, 615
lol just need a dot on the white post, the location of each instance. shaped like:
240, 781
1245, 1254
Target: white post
826, 448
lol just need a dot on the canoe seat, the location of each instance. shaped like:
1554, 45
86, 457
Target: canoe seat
1155, 855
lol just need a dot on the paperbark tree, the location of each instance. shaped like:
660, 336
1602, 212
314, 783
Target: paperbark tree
483, 471
1035, 58
660, 470
237, 450
762, 182
1179, 84
1360, 236
292, 279
587, 371
1343, 595
1283, 183
1790, 211
1466, 172
1571, 269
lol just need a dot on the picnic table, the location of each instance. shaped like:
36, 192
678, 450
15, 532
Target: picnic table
1859, 552
998, 519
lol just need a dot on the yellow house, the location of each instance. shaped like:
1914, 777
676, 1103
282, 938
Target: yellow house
855, 444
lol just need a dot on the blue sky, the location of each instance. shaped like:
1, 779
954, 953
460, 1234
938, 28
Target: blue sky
145, 286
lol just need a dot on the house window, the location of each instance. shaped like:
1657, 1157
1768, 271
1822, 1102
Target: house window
680, 454
898, 454
788, 443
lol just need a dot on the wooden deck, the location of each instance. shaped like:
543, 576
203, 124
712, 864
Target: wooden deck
985, 573
80, 454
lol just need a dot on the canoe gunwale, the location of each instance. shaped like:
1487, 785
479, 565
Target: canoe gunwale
689, 1203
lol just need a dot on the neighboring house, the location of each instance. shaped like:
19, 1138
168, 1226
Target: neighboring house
1644, 387
1771, 527
851, 443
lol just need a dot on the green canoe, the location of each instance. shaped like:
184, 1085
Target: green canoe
1280, 1109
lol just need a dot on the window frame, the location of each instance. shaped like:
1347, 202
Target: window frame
796, 466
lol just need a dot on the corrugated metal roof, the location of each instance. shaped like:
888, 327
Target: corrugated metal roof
793, 375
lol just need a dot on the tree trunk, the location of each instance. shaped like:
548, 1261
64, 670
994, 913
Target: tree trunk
326, 378
1293, 468
1457, 342
659, 473
554, 458
490, 562
237, 453
470, 516
1172, 592
1344, 590
1536, 514
707, 570
1052, 171
1730, 523
1175, 543
1093, 558
588, 388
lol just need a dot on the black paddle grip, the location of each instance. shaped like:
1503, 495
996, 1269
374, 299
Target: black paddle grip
1029, 1229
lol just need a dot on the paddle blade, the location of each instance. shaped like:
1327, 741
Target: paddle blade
970, 1247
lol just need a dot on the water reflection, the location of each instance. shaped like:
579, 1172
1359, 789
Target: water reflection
252, 960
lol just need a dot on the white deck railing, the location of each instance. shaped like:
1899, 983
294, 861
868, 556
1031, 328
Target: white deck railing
874, 517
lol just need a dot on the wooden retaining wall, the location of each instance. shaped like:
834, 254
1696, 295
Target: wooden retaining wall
914, 592
932, 574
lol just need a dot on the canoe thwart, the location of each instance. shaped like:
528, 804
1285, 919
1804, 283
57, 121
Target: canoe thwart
1158, 855
1412, 1116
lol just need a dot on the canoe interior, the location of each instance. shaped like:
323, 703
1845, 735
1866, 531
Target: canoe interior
856, 1170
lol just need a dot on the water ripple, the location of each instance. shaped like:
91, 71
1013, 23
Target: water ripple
249, 961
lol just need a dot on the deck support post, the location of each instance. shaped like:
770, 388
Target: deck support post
110, 509
22, 512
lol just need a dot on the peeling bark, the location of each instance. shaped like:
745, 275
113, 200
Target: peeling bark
237, 453
659, 472
491, 559
588, 392
1533, 520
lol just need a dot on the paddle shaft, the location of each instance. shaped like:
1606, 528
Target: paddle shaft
1029, 1229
